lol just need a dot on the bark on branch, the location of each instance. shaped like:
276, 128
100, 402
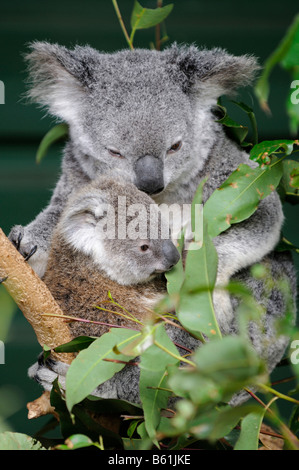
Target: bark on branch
33, 298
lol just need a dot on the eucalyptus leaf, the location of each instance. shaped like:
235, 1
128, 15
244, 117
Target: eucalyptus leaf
288, 188
89, 369
261, 152
144, 340
224, 367
230, 362
189, 384
18, 441
251, 116
279, 55
195, 310
75, 345
225, 420
77, 441
235, 131
238, 197
153, 376
175, 277
9, 309
250, 429
294, 420
136, 444
58, 132
212, 424
286, 245
143, 18
286, 55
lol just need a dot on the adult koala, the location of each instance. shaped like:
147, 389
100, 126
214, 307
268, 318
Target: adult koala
149, 115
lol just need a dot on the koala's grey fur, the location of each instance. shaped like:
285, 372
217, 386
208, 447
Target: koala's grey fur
126, 111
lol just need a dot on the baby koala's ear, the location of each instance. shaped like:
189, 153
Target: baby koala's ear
211, 73
59, 77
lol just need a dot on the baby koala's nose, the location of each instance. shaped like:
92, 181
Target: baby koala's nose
171, 254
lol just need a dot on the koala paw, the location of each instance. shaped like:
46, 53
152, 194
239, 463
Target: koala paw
46, 371
25, 248
26, 244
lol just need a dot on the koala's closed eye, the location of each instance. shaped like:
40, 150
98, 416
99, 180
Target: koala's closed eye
115, 153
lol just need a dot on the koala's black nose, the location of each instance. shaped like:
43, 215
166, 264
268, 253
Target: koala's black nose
149, 174
171, 254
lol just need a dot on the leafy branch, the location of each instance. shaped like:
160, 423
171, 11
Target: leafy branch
143, 18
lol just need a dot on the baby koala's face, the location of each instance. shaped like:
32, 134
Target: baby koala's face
121, 230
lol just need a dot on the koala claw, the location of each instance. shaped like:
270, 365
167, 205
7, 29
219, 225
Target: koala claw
31, 253
25, 249
3, 279
16, 235
18, 242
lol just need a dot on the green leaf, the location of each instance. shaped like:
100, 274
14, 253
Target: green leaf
288, 188
77, 441
191, 385
250, 429
225, 366
212, 424
175, 277
46, 351
195, 310
18, 441
8, 309
153, 373
238, 197
251, 116
230, 362
236, 131
75, 345
56, 133
143, 18
286, 245
294, 420
136, 444
294, 178
281, 54
132, 427
89, 369
224, 421
141, 343
261, 152
196, 212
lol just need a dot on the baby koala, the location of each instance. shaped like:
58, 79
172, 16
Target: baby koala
109, 239
105, 242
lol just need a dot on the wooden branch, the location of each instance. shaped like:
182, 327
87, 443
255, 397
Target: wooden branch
41, 407
33, 298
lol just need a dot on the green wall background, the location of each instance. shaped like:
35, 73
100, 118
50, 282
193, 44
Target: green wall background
254, 27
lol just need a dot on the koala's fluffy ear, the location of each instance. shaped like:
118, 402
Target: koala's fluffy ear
59, 77
211, 73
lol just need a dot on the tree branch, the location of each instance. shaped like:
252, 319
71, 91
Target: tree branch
33, 298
